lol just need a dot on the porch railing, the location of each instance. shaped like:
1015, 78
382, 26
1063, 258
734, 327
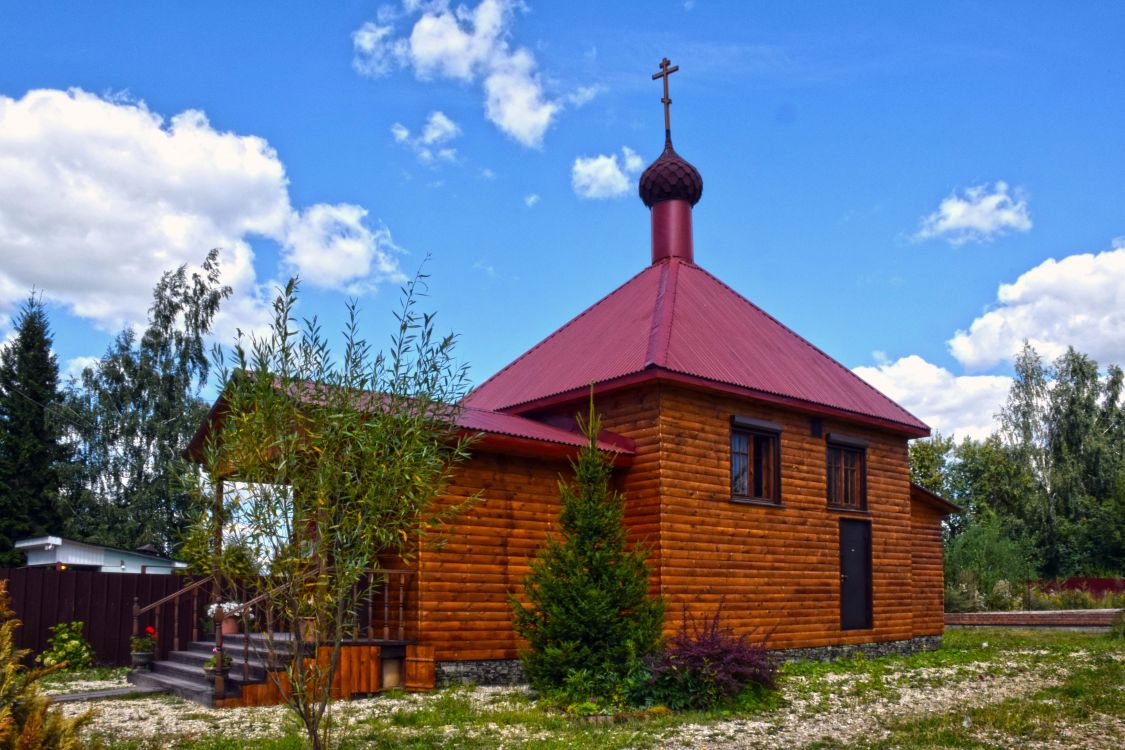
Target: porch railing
384, 615
177, 600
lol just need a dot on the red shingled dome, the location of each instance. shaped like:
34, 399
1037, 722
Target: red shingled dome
670, 177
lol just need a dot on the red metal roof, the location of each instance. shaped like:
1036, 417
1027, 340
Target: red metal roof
499, 423
469, 418
675, 317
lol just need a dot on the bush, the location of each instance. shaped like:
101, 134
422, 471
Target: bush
1076, 599
963, 597
984, 554
27, 718
1117, 627
1002, 598
587, 692
705, 666
67, 648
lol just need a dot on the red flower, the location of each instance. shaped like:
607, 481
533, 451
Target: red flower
151, 631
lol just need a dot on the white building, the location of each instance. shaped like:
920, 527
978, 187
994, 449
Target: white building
67, 554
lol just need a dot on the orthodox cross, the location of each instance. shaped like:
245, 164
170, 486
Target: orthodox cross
666, 69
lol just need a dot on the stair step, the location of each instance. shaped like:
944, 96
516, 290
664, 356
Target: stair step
234, 644
197, 692
255, 660
194, 671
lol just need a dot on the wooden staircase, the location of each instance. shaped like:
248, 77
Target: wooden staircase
378, 655
253, 680
181, 672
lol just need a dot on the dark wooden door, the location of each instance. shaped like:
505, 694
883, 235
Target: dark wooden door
855, 574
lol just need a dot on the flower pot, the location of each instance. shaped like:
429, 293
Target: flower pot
230, 626
211, 673
142, 659
308, 629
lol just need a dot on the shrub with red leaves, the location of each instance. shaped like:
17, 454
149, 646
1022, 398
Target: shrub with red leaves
707, 665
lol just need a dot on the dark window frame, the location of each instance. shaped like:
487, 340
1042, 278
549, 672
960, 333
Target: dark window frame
836, 474
755, 433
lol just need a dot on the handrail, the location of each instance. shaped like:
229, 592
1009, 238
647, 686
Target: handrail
174, 595
138, 610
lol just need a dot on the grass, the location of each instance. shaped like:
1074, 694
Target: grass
984, 689
1088, 696
62, 681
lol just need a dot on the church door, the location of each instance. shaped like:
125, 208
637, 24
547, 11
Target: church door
855, 574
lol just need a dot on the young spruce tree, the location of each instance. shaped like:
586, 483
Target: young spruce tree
31, 449
588, 593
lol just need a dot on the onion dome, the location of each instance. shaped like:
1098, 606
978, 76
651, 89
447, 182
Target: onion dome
670, 177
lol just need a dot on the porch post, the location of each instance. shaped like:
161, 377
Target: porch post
218, 569
216, 591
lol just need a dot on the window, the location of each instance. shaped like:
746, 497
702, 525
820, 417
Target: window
847, 480
755, 461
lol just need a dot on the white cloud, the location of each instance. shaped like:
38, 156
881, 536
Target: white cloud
332, 248
531, 200
439, 129
584, 95
486, 268
633, 161
466, 45
74, 366
598, 177
376, 54
961, 405
400, 132
430, 146
98, 197
1077, 301
514, 99
980, 215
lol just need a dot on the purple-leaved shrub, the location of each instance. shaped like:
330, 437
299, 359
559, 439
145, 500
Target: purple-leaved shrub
707, 665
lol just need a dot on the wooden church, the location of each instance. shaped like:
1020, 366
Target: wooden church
763, 475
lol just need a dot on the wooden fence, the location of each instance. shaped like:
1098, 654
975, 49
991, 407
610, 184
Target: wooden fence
103, 602
42, 597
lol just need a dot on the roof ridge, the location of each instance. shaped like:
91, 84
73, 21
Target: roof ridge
809, 344
660, 330
552, 335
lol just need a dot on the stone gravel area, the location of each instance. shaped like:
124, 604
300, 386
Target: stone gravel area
840, 706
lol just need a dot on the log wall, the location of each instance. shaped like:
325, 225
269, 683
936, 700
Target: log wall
928, 574
775, 569
467, 569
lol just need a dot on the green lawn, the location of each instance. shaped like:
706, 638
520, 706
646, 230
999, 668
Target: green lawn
984, 689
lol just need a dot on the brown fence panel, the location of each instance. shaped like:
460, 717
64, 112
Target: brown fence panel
43, 597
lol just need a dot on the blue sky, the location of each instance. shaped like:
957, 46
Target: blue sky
915, 188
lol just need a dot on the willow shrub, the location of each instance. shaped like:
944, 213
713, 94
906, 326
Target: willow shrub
334, 463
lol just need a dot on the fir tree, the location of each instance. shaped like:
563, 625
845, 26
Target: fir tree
588, 592
31, 450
